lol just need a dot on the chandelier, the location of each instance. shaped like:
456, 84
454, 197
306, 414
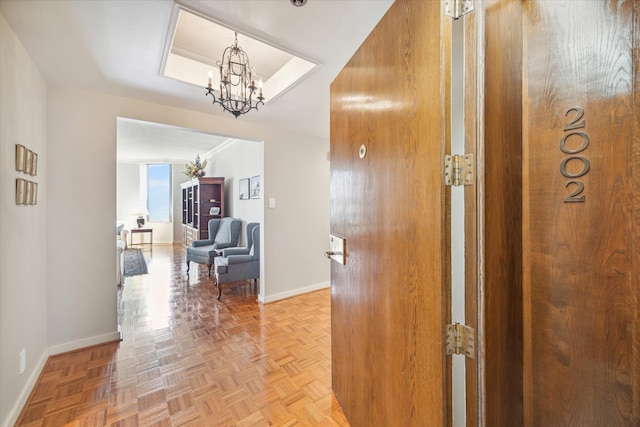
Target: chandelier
237, 84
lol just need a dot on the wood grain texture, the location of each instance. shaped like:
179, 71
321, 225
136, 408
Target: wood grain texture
187, 359
500, 210
473, 135
389, 303
580, 278
493, 229
635, 176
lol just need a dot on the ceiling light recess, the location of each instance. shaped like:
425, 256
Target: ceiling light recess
193, 48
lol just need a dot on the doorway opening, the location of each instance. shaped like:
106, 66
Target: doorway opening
142, 145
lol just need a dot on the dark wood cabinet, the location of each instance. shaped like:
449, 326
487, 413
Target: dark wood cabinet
202, 200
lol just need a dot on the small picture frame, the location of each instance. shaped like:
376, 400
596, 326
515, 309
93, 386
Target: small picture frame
255, 187
34, 194
20, 156
20, 190
27, 162
34, 163
28, 189
244, 189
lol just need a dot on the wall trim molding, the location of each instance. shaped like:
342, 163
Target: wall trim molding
85, 342
294, 292
15, 411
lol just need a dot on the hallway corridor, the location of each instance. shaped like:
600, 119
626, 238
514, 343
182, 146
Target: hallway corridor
187, 359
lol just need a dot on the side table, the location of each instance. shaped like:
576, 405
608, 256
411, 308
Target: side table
142, 230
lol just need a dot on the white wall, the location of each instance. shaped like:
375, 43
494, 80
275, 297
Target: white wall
128, 191
57, 290
238, 160
296, 231
23, 229
82, 133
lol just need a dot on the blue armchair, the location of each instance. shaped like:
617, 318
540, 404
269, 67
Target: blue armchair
223, 233
235, 266
249, 239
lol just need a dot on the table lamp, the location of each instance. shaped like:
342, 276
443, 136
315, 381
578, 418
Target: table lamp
141, 213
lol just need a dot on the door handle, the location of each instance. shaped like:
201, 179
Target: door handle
328, 254
336, 250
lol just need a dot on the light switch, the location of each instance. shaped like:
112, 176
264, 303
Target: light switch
23, 361
272, 202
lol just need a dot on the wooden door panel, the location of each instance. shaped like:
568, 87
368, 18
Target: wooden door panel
493, 235
580, 282
390, 301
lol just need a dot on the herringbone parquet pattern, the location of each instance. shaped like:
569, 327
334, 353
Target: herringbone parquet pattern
187, 359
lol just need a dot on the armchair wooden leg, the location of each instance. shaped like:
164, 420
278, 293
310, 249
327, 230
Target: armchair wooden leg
209, 265
187, 266
219, 291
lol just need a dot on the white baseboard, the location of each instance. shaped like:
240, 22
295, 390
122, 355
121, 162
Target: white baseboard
293, 293
86, 342
14, 413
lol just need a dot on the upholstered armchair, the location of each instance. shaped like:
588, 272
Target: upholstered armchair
248, 239
121, 246
223, 233
235, 266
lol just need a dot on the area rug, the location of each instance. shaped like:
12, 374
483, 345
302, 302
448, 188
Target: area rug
134, 262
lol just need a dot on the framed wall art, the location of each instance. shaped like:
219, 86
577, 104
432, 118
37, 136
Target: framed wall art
28, 188
244, 189
21, 152
255, 187
34, 163
34, 194
27, 161
20, 184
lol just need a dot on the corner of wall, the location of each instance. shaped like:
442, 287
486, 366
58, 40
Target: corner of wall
15, 410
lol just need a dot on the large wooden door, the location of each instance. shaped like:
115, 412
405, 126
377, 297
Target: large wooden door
581, 213
553, 224
553, 246
390, 300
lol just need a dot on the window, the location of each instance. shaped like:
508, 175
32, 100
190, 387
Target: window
159, 192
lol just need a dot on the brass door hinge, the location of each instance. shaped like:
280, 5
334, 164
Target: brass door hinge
457, 8
461, 340
459, 170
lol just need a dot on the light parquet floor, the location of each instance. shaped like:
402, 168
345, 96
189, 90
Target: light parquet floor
187, 359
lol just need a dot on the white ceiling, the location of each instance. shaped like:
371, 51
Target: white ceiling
117, 46
203, 40
144, 142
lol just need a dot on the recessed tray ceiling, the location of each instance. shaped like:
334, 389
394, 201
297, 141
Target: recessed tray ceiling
197, 44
